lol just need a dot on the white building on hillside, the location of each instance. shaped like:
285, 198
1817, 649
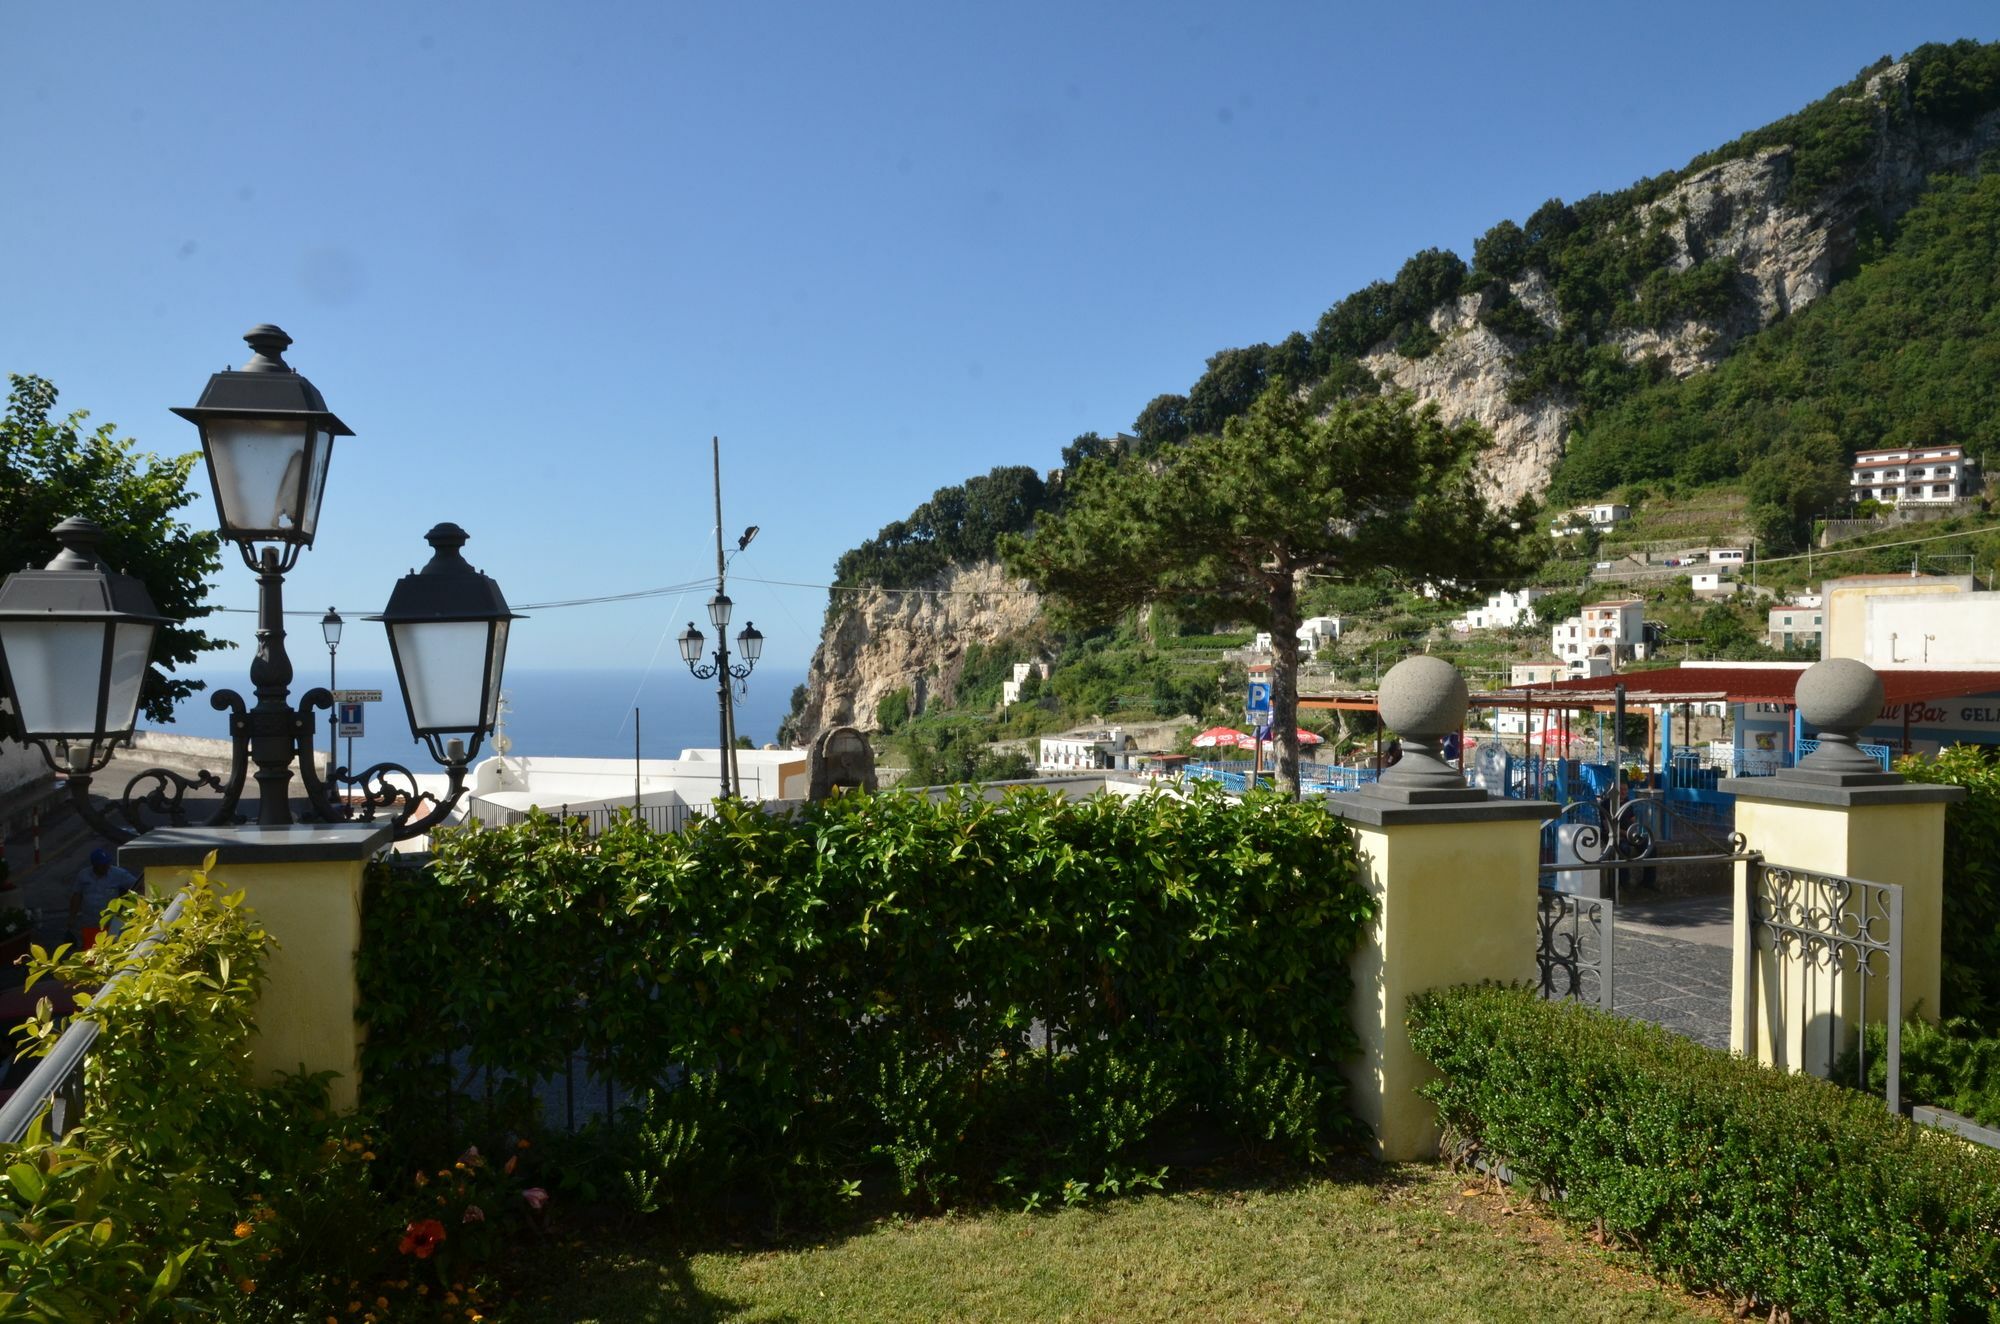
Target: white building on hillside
1074, 750
1794, 626
1613, 630
1921, 475
1010, 690
1503, 611
1314, 634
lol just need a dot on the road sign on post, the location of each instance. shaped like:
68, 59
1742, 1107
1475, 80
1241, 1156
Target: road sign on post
349, 718
357, 696
1259, 700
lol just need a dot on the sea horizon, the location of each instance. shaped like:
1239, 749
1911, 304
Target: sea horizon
551, 712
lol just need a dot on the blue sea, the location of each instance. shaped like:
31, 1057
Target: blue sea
555, 713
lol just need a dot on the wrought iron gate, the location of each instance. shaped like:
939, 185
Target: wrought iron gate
1575, 946
1833, 947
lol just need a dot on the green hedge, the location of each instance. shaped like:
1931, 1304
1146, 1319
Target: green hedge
1971, 974
1777, 1190
848, 995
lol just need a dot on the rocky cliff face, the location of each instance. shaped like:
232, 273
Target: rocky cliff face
1786, 258
885, 639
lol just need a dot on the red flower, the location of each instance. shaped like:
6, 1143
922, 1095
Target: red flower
421, 1238
536, 1197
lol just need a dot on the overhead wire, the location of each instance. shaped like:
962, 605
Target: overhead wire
686, 586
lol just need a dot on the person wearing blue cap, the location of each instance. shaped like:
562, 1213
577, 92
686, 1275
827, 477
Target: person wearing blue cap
96, 884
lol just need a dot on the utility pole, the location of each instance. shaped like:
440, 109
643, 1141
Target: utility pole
734, 774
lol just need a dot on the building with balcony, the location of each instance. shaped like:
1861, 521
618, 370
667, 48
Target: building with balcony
1922, 475
1613, 630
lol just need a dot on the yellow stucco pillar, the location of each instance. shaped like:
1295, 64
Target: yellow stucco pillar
1453, 874
304, 884
1454, 889
1837, 813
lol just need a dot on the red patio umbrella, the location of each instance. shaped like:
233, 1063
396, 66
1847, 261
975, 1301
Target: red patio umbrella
1222, 735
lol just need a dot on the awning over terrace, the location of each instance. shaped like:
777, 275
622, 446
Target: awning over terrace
1768, 684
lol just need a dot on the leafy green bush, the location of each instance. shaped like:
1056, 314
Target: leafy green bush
1782, 1191
184, 1188
1955, 1065
943, 998
1970, 985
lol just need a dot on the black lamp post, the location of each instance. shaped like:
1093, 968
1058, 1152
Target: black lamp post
267, 436
329, 630
750, 642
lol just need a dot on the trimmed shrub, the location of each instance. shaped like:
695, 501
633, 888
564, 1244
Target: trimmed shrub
1779, 1190
946, 998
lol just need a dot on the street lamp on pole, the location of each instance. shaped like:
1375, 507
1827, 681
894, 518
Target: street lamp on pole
749, 642
329, 629
75, 637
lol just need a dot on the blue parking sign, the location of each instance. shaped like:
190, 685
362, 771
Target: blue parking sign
1259, 700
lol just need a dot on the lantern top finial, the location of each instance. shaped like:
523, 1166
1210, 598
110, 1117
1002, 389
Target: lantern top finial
270, 342
79, 538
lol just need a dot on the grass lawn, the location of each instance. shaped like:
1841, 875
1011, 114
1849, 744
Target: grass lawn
1411, 1243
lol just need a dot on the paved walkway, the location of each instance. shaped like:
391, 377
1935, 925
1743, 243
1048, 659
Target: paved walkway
1680, 984
1672, 966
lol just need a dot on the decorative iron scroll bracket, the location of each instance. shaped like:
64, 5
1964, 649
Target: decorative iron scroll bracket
157, 796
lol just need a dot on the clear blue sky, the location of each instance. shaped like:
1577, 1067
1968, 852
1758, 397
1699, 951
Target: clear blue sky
535, 255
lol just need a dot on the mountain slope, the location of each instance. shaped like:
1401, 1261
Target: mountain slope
1587, 337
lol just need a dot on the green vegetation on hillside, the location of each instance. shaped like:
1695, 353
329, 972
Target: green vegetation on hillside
1607, 262
1906, 352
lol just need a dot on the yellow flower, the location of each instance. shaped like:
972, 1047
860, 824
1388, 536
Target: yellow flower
368, 1155
451, 1298
381, 1303
244, 1229
247, 1284
423, 1179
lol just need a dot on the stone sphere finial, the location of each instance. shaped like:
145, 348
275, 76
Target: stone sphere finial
1423, 700
1840, 696
1423, 696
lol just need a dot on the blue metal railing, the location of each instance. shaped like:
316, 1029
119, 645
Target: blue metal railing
1314, 779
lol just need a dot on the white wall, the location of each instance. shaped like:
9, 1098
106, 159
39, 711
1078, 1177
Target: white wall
19, 765
1943, 631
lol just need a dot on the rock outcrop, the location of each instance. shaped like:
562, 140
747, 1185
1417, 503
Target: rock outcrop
1786, 258
882, 640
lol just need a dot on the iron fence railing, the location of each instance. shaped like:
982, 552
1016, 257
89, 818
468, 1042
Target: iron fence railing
1825, 959
1314, 778
1576, 946
596, 819
56, 1085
